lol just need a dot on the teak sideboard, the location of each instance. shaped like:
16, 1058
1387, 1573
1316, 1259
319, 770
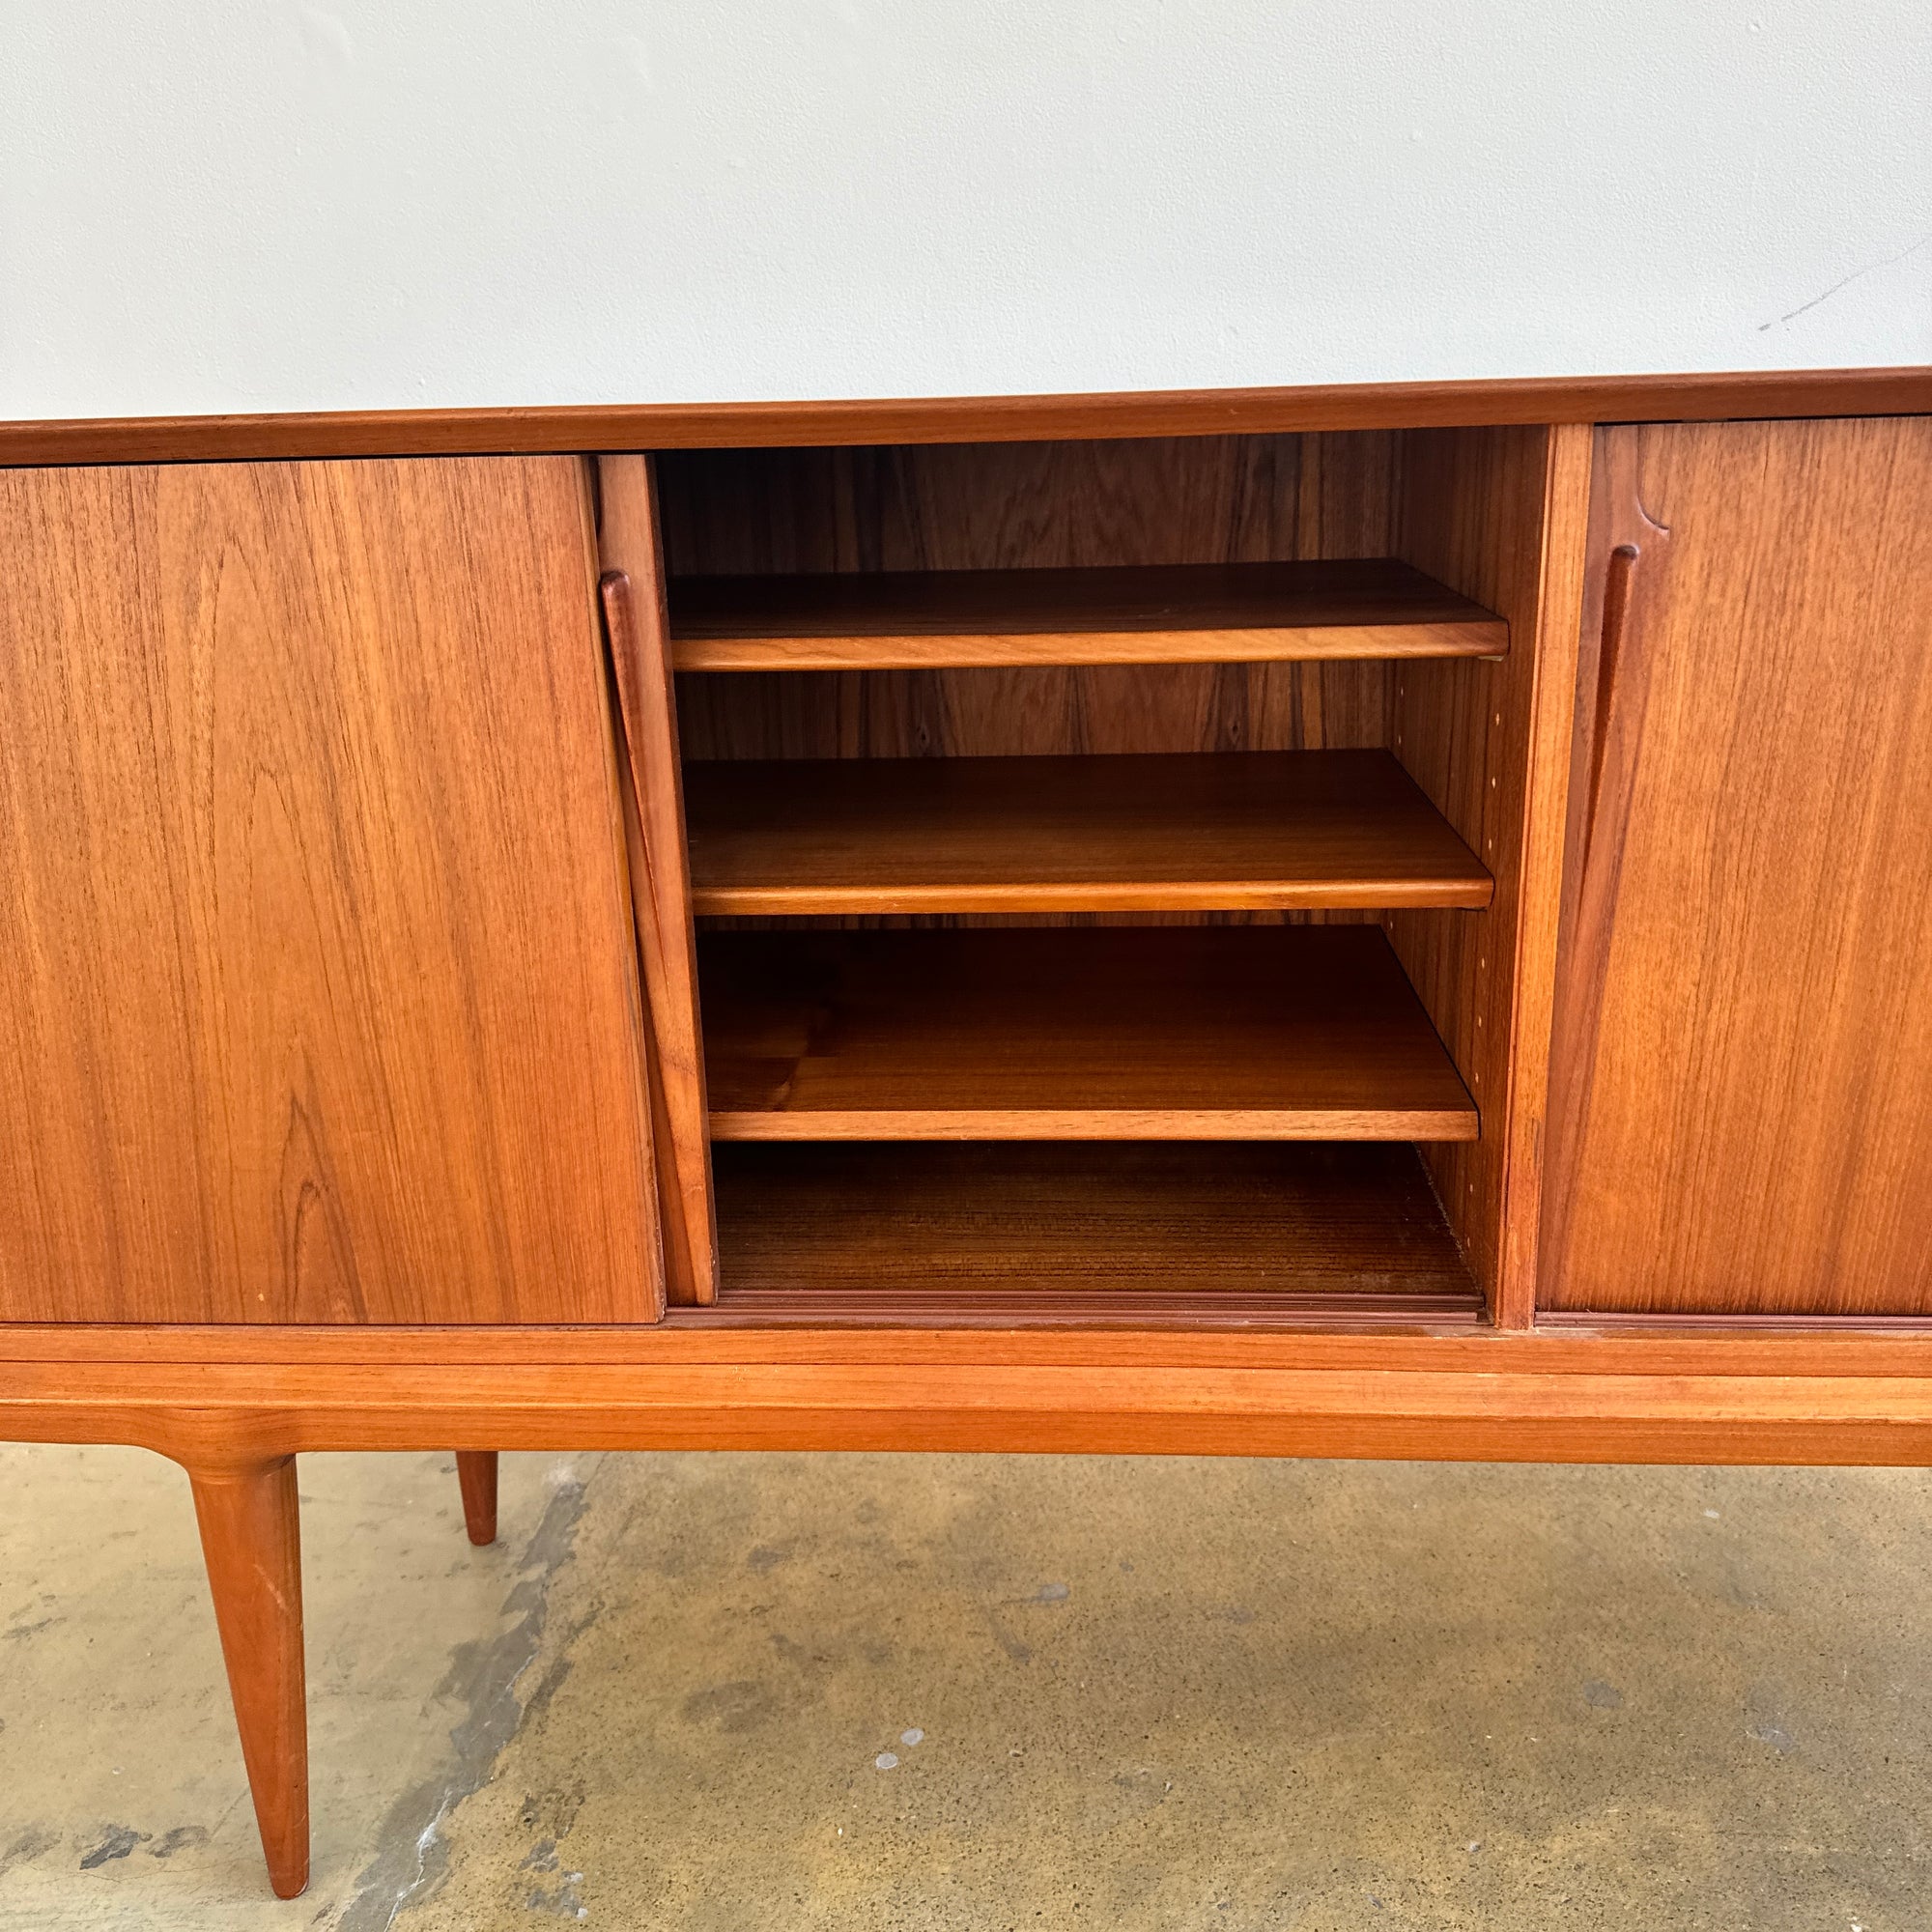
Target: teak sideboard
1310, 923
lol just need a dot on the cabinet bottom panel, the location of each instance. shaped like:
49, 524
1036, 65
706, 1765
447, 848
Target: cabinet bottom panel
1016, 1233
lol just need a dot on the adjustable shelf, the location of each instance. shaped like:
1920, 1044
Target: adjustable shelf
1134, 1235
1237, 831
1259, 1033
1136, 613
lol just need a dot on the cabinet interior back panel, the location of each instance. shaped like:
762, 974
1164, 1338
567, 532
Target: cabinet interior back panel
1023, 507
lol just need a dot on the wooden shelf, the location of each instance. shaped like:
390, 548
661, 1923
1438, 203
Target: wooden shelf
1148, 613
1024, 1234
1230, 831
1205, 1033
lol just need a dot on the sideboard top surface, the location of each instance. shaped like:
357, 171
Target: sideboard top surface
1899, 391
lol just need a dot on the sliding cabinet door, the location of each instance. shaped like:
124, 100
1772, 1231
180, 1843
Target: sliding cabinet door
321, 988
1741, 1114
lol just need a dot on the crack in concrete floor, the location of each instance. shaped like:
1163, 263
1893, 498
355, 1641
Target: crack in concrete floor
411, 1859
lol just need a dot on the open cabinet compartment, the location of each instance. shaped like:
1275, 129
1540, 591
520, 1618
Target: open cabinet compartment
1107, 860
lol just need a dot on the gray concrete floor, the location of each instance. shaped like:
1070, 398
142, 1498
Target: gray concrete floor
732, 1693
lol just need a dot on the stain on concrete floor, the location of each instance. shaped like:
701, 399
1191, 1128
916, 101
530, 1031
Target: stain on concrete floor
732, 1693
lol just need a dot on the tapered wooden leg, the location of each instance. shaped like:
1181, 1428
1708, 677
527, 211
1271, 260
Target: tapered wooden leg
477, 1471
251, 1540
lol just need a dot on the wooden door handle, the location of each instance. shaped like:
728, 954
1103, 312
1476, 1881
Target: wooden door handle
1619, 579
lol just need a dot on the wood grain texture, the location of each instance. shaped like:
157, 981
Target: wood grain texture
321, 998
1244, 831
249, 1517
1022, 1232
1133, 613
142, 1363
636, 633
1741, 1091
1501, 515
1700, 396
1539, 842
971, 1399
1034, 505
1291, 1033
1038, 507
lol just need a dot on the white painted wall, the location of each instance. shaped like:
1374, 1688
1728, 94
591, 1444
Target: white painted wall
275, 205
